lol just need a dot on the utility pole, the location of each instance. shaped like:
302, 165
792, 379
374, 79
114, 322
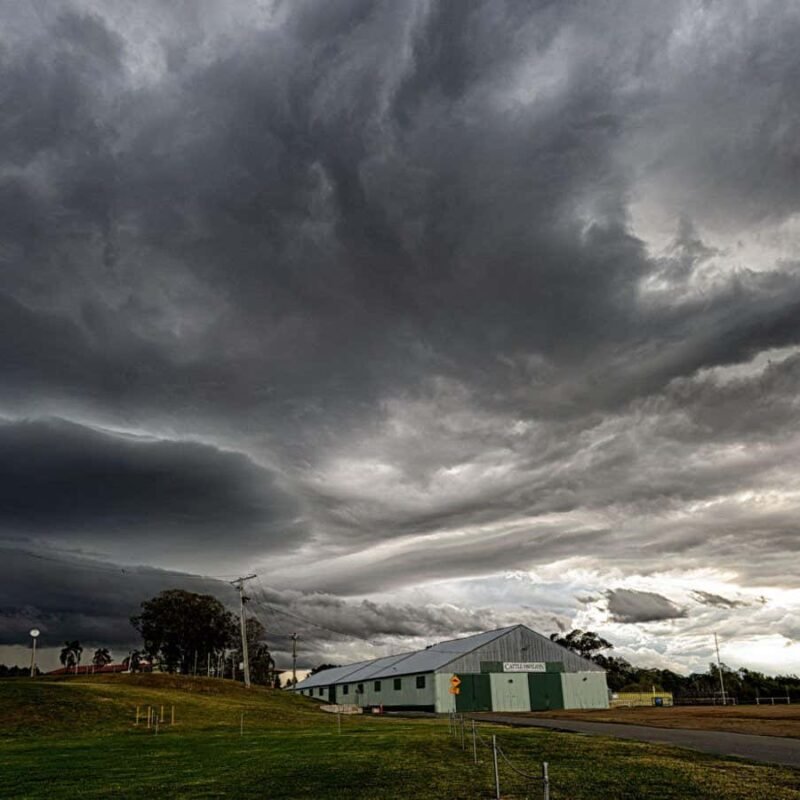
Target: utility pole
294, 660
719, 667
239, 584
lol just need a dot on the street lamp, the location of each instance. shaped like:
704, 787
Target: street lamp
34, 636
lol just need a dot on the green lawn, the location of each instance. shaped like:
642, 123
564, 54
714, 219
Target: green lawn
75, 738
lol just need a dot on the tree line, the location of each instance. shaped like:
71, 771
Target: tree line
744, 684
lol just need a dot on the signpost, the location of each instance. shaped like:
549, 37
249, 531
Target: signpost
455, 682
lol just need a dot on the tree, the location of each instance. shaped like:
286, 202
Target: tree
132, 661
71, 655
101, 657
182, 629
584, 643
322, 667
262, 665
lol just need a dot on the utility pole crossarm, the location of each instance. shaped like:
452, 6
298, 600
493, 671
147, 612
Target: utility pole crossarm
239, 584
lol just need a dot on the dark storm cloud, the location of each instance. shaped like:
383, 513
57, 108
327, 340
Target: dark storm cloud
631, 606
77, 598
63, 481
409, 257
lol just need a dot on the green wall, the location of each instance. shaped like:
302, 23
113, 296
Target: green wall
475, 693
545, 690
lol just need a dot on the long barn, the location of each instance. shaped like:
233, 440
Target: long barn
510, 669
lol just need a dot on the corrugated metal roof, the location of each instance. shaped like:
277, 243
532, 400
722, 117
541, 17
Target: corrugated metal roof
427, 660
329, 676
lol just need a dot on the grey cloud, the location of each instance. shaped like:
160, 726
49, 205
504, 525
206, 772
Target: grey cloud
631, 606
716, 600
67, 596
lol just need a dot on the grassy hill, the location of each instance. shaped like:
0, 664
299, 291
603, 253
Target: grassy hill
76, 738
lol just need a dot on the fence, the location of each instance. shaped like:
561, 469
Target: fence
716, 700
635, 699
154, 716
457, 727
773, 700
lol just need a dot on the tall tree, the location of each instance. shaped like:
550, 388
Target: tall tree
101, 657
71, 654
182, 629
584, 643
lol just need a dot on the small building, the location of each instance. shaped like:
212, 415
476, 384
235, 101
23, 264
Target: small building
510, 669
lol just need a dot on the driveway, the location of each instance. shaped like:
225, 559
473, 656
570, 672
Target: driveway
772, 749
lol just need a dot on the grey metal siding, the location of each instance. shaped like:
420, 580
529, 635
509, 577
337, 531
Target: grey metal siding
408, 694
584, 690
520, 644
510, 691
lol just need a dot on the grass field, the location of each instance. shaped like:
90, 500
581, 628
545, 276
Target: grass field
75, 738
783, 720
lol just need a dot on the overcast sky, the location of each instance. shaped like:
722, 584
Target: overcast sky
438, 316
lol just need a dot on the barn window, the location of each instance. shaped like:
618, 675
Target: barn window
420, 681
398, 684
345, 690
320, 691
360, 689
377, 686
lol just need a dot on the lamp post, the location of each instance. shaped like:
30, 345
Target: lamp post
34, 636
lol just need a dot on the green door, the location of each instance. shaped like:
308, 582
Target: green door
332, 694
545, 690
475, 693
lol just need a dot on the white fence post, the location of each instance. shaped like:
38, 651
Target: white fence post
545, 781
496, 768
474, 744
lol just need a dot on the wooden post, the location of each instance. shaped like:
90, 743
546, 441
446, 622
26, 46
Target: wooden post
137, 715
149, 716
474, 744
172, 721
496, 768
241, 724
545, 781
161, 719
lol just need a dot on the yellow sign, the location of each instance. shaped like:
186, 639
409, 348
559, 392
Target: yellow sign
455, 681
454, 690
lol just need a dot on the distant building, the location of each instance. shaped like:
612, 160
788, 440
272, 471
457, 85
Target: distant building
510, 669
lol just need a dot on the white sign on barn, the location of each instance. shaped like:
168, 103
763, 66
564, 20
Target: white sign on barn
524, 666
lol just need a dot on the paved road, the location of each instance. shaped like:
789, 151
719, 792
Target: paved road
773, 749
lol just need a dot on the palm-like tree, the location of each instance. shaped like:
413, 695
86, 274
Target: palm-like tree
101, 657
71, 654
